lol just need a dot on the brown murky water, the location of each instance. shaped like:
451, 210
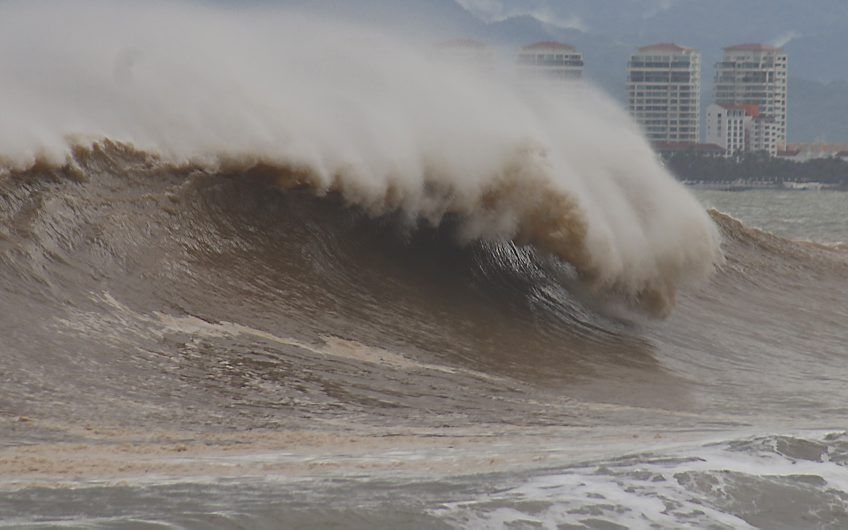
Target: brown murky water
194, 349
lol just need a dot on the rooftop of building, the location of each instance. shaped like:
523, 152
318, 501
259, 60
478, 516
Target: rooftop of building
548, 45
752, 109
665, 47
752, 47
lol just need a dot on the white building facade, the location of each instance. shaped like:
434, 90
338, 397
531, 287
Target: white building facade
664, 89
764, 135
550, 61
741, 129
726, 126
756, 74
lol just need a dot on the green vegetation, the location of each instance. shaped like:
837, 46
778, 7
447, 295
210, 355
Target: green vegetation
693, 166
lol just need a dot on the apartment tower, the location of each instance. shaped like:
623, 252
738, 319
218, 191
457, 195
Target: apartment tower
755, 74
664, 90
550, 61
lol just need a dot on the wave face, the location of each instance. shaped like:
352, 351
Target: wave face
118, 254
131, 261
385, 124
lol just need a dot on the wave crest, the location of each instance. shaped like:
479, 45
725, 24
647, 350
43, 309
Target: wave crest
306, 103
521, 202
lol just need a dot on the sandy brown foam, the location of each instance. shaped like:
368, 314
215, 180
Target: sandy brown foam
114, 454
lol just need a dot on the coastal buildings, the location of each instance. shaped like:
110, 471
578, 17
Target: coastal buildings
741, 128
756, 74
763, 135
663, 89
550, 61
726, 126
750, 109
748, 114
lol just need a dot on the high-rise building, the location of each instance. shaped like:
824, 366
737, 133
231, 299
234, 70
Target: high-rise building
664, 91
755, 74
763, 134
550, 61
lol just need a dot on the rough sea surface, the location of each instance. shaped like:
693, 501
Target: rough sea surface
186, 349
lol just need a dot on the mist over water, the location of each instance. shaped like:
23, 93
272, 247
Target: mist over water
389, 125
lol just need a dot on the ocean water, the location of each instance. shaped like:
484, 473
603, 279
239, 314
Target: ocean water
807, 215
261, 358
318, 278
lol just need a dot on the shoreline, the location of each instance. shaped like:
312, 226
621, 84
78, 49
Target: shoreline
745, 185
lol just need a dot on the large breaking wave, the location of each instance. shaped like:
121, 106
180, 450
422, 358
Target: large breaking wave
253, 244
385, 124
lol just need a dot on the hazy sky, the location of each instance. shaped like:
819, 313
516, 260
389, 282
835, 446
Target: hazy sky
549, 11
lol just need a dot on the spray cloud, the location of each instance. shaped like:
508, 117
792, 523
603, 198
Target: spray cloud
386, 123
